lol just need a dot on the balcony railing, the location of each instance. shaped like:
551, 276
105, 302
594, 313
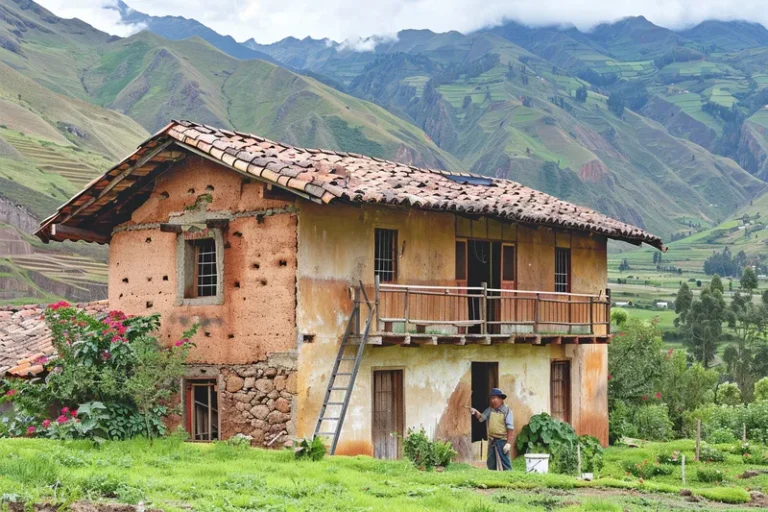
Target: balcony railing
403, 309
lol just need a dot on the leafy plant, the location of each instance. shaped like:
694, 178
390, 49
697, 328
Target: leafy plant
709, 454
710, 475
591, 454
544, 430
675, 458
425, 453
645, 469
313, 450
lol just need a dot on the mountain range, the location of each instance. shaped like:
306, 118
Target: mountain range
664, 129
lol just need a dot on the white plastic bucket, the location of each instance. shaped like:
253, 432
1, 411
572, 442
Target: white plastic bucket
537, 463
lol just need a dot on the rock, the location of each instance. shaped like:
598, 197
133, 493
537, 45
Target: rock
260, 425
260, 412
270, 373
685, 492
283, 405
271, 404
242, 397
249, 382
240, 406
277, 417
280, 382
250, 372
750, 473
274, 395
264, 385
286, 395
290, 383
277, 428
234, 384
258, 437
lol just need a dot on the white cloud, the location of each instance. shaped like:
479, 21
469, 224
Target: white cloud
93, 12
359, 20
366, 44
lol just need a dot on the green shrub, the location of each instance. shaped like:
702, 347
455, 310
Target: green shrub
732, 417
591, 454
761, 390
645, 469
728, 393
721, 436
620, 422
548, 435
725, 494
425, 453
653, 423
675, 458
710, 475
709, 454
313, 450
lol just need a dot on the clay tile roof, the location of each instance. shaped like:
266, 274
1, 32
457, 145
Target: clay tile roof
25, 340
334, 176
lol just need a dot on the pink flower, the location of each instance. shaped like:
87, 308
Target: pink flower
30, 430
609, 376
645, 397
178, 343
117, 315
62, 419
73, 413
11, 392
65, 411
658, 396
46, 423
106, 355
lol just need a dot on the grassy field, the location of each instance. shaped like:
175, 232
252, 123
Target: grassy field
177, 476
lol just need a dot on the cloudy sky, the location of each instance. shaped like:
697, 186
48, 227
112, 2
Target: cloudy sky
271, 20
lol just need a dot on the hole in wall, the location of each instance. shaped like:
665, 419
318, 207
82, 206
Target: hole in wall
256, 266
283, 263
209, 188
125, 279
165, 195
165, 278
308, 338
148, 240
237, 284
264, 282
207, 334
237, 234
227, 245
149, 279
121, 296
149, 304
191, 191
230, 336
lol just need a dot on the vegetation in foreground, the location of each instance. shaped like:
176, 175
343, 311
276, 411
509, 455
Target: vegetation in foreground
174, 475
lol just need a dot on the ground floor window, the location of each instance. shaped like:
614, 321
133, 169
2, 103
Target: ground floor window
560, 390
202, 410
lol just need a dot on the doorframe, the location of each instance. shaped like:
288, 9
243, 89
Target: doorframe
570, 385
185, 413
372, 376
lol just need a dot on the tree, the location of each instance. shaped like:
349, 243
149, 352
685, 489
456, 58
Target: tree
728, 393
749, 279
702, 326
616, 103
634, 362
581, 94
683, 303
716, 283
761, 390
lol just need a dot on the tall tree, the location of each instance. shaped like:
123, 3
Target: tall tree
749, 279
683, 303
716, 283
702, 325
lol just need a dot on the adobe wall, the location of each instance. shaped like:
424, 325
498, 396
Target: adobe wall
256, 320
336, 248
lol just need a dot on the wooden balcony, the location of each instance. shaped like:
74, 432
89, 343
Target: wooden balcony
433, 315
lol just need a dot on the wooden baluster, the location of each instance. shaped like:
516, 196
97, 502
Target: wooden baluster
591, 319
608, 311
484, 309
405, 312
536, 313
376, 283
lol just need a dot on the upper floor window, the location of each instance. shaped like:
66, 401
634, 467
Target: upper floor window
385, 254
563, 270
200, 274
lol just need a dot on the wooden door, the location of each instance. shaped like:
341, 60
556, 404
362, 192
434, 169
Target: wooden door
388, 413
560, 390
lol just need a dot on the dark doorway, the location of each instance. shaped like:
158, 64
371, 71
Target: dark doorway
485, 376
388, 413
483, 266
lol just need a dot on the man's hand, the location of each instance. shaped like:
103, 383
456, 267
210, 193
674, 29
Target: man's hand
507, 447
473, 411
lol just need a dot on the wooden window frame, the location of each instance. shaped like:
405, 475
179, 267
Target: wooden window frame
187, 255
188, 387
386, 276
402, 371
567, 389
566, 252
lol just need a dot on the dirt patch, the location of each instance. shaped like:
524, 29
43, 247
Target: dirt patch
82, 506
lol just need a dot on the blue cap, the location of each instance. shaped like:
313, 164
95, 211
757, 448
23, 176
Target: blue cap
497, 392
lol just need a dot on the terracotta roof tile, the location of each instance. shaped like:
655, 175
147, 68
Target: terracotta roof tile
316, 173
25, 338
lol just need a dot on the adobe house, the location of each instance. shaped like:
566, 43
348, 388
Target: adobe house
332, 285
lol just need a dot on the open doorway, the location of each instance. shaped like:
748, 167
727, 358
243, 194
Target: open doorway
485, 376
483, 266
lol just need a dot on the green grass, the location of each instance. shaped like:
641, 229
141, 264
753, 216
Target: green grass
177, 476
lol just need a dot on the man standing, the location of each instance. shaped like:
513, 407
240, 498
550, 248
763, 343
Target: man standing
500, 427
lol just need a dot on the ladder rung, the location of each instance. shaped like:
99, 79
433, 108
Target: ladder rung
326, 433
330, 418
339, 389
343, 373
347, 359
334, 403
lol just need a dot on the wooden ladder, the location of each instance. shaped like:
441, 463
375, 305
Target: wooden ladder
342, 381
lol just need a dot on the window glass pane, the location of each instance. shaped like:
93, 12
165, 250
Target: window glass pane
563, 270
206, 268
461, 260
508, 258
385, 254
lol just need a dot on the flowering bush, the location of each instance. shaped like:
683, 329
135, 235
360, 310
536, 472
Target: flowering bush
112, 379
675, 458
645, 469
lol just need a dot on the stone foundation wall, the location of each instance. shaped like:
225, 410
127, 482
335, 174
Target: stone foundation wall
257, 400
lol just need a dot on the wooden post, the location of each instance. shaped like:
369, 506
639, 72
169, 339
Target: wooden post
536, 313
578, 460
608, 311
698, 439
405, 308
484, 309
376, 283
683, 469
591, 315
